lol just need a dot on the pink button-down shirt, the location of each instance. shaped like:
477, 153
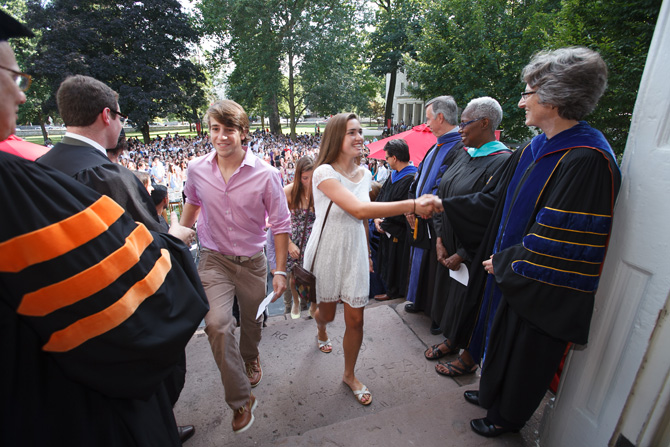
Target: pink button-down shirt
232, 215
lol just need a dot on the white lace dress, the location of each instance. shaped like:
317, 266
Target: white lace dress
342, 268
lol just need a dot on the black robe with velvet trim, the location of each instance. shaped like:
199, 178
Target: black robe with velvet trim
563, 312
95, 311
91, 167
393, 253
549, 277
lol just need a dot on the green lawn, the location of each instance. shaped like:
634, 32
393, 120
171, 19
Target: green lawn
37, 139
307, 128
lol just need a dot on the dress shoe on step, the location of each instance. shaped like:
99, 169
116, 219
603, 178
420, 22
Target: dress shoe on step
486, 428
383, 297
411, 308
472, 396
254, 371
185, 432
244, 416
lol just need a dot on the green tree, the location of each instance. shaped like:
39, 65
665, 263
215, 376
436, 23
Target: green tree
282, 50
334, 71
37, 107
621, 32
396, 21
244, 33
471, 49
140, 49
377, 109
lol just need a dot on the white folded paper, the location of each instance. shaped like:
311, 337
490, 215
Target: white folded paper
461, 275
264, 304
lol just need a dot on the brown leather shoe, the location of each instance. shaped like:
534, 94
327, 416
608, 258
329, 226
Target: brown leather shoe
254, 371
244, 416
383, 297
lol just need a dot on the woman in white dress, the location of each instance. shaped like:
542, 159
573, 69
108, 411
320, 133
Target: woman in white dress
343, 261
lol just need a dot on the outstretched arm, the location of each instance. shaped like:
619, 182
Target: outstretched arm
346, 200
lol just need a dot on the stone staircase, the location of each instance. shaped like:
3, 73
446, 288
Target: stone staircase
302, 401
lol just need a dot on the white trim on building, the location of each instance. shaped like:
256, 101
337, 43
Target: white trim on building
406, 109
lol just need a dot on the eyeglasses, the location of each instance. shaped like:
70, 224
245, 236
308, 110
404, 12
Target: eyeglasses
22, 80
462, 126
525, 95
121, 116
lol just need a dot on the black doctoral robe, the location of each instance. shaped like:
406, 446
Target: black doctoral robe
549, 212
393, 252
452, 309
95, 311
423, 261
91, 167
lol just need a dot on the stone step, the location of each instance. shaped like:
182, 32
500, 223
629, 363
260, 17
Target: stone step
302, 399
441, 420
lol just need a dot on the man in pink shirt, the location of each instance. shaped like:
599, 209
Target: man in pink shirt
232, 191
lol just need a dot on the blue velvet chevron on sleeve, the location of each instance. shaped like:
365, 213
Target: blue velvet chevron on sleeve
572, 256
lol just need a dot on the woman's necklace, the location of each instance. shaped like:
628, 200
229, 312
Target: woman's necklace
346, 174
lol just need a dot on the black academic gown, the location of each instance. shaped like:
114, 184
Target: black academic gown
91, 167
454, 313
548, 279
393, 253
423, 269
95, 312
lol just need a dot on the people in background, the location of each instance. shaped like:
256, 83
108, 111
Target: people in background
393, 256
534, 225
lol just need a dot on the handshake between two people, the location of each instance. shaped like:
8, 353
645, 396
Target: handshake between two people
427, 205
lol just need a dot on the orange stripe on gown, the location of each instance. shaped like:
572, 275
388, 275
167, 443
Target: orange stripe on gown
92, 280
101, 322
57, 239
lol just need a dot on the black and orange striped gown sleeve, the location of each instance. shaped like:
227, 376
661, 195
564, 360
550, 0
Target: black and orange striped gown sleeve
95, 310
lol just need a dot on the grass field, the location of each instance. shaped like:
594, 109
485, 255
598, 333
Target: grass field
306, 128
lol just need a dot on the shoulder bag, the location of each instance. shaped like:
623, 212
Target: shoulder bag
305, 281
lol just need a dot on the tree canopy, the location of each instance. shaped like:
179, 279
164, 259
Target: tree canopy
302, 52
470, 49
140, 49
327, 56
396, 22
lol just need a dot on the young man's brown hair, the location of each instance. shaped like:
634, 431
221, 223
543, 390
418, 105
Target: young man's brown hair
230, 114
81, 99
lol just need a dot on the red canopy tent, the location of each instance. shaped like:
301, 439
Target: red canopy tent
419, 139
22, 148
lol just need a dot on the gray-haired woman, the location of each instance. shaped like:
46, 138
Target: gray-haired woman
547, 216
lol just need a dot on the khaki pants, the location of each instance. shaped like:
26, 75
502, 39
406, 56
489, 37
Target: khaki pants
223, 279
